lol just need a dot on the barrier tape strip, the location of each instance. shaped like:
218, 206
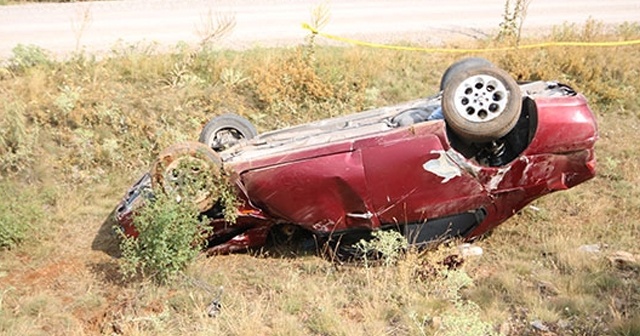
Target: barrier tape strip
448, 50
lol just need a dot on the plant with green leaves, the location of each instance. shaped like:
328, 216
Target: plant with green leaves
21, 212
17, 141
465, 320
170, 236
388, 245
513, 20
28, 56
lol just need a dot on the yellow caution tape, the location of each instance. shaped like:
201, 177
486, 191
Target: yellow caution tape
448, 50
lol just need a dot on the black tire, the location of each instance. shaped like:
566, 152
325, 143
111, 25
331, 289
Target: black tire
225, 131
481, 104
189, 171
463, 65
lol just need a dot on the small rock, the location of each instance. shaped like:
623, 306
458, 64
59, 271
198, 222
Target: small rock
547, 288
214, 308
592, 248
564, 324
436, 322
623, 259
537, 324
468, 250
505, 328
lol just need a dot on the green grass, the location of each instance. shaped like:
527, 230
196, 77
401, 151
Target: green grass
75, 134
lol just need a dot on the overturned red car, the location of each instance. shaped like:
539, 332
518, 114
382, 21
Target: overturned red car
456, 164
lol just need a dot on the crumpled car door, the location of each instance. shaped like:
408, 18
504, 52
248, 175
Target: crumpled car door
412, 179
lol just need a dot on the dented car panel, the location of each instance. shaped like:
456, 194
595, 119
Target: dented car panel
368, 171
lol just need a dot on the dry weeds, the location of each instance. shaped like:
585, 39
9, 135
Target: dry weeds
88, 127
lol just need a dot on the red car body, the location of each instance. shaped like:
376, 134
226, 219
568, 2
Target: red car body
365, 172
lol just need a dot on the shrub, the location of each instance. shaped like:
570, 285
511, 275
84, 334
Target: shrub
25, 57
513, 20
388, 245
17, 141
20, 211
171, 235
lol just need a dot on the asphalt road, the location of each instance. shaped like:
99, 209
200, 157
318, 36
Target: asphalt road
97, 26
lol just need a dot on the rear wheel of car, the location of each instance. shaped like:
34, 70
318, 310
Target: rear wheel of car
481, 104
189, 171
462, 65
225, 131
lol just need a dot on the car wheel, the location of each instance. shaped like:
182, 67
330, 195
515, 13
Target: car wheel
462, 65
225, 131
189, 171
481, 104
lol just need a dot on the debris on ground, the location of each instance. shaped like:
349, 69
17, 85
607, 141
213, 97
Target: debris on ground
623, 259
213, 309
468, 250
538, 325
591, 248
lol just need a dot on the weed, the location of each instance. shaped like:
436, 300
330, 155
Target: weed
212, 29
388, 245
67, 101
28, 56
80, 24
181, 76
513, 20
20, 215
170, 237
17, 142
465, 320
232, 77
125, 113
610, 168
320, 16
628, 30
289, 89
228, 198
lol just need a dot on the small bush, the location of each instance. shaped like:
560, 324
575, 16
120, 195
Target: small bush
513, 20
465, 320
17, 141
292, 89
389, 246
13, 230
20, 211
170, 237
28, 56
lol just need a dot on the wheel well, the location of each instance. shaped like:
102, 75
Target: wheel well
505, 149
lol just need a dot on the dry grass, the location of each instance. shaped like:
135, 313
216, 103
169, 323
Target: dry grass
75, 134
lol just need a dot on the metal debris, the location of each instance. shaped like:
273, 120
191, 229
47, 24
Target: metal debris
537, 324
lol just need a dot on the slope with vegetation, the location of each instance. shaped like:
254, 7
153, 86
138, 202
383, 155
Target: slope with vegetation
74, 134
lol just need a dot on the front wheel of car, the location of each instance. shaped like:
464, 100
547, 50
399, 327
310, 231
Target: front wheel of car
481, 104
189, 171
225, 131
